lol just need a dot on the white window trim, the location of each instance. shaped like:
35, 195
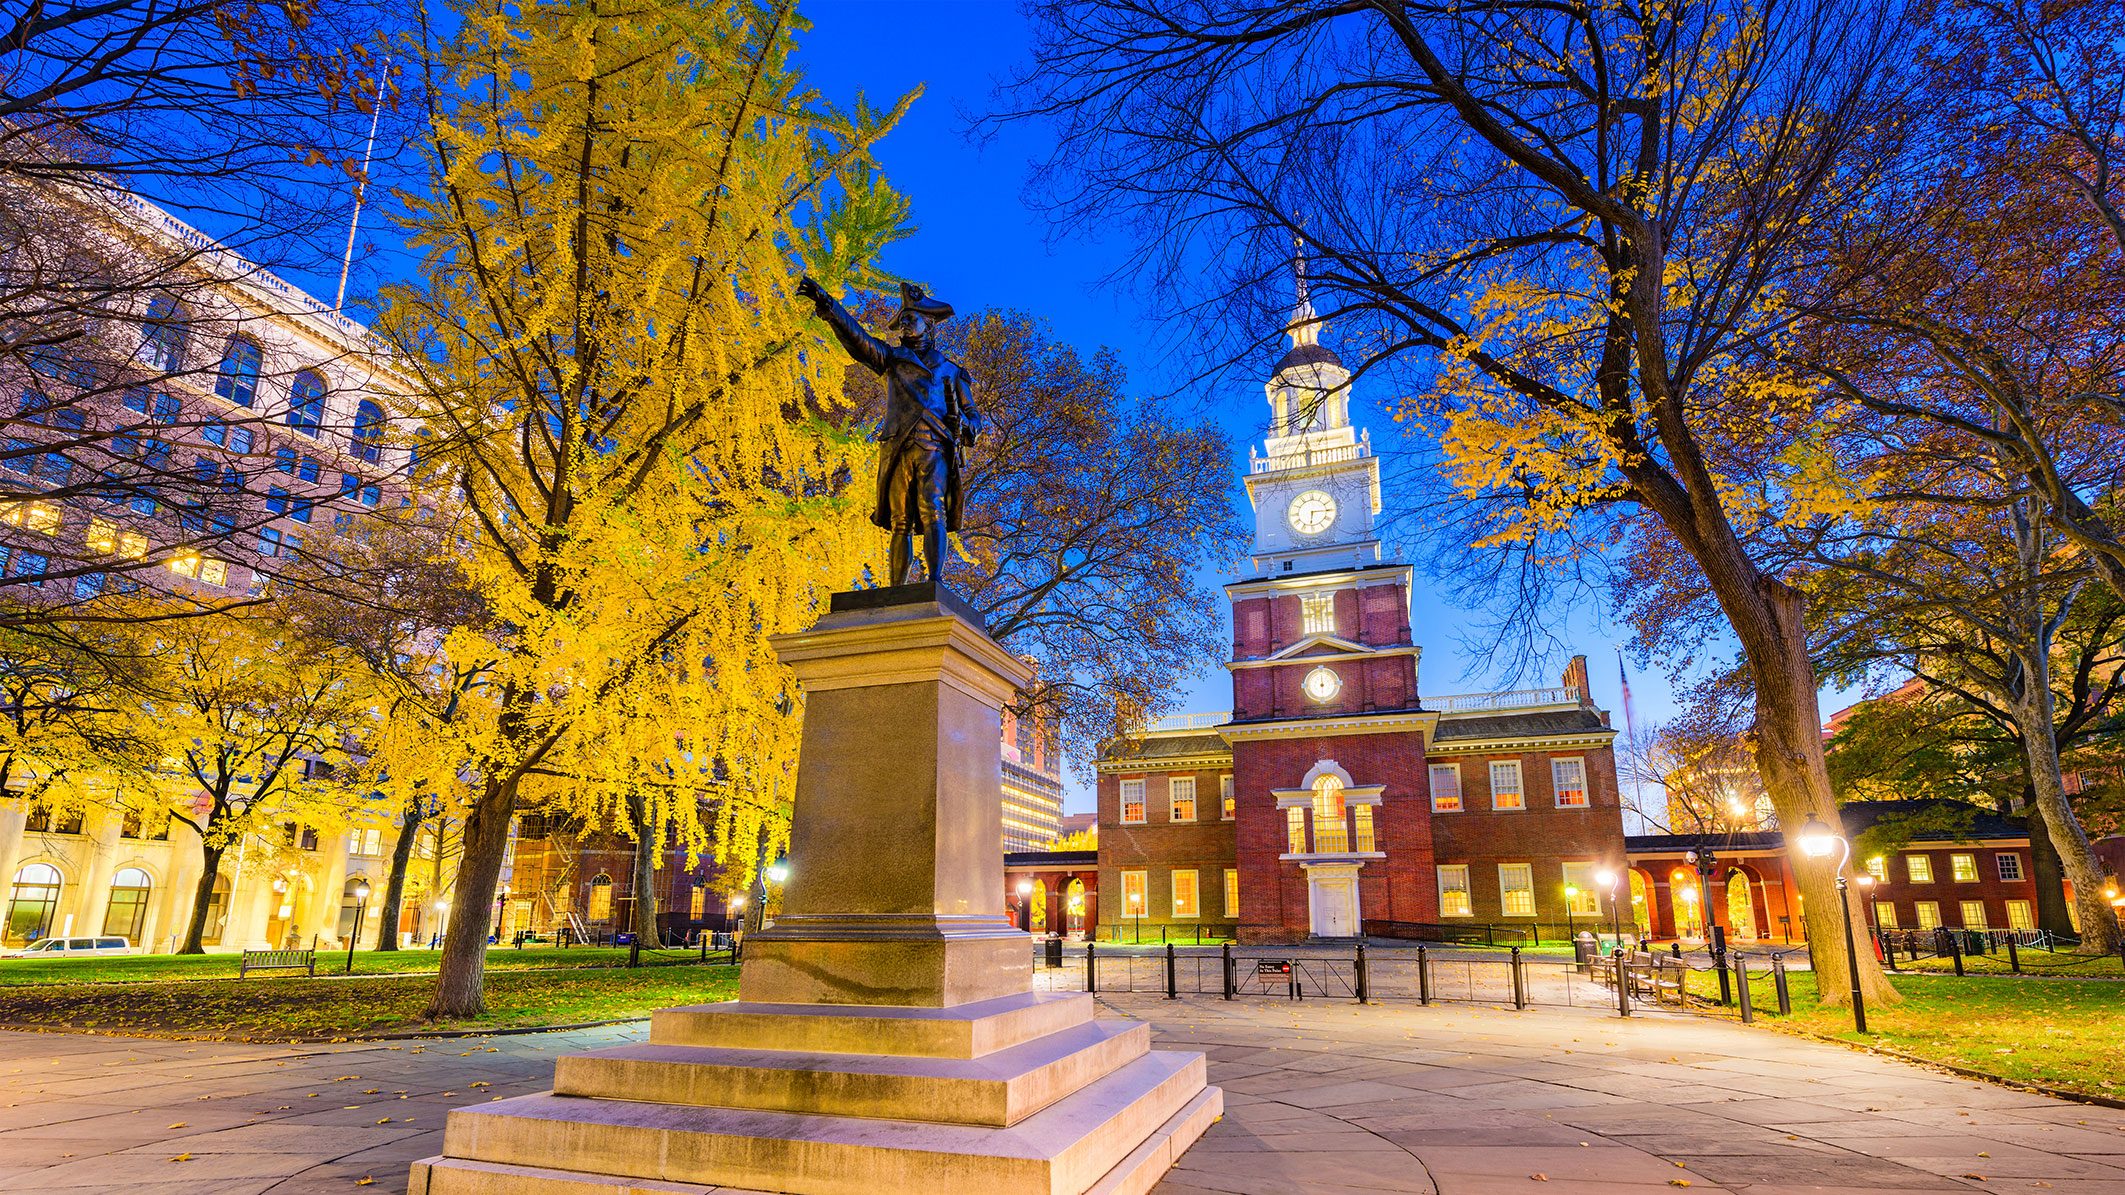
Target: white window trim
1466, 889
1143, 889
1998, 861
1534, 905
1975, 875
1195, 804
1226, 793
1519, 773
1911, 874
1173, 893
1231, 890
1586, 783
1121, 811
1460, 794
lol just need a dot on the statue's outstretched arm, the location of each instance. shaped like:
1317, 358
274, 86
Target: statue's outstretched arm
859, 344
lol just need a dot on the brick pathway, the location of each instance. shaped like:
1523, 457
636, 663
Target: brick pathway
1320, 1097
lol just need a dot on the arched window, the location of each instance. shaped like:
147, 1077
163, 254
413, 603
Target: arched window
1330, 833
237, 379
128, 910
217, 912
1641, 903
1689, 919
1039, 905
599, 907
1074, 907
31, 903
369, 431
306, 403
1741, 909
163, 338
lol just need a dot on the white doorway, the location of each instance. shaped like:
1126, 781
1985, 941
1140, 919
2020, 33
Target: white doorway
1332, 899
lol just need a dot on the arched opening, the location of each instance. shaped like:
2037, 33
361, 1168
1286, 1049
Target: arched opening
217, 912
127, 913
1641, 903
237, 378
1741, 907
368, 435
164, 335
32, 903
1330, 831
1689, 917
1039, 907
306, 403
599, 906
1074, 907
350, 903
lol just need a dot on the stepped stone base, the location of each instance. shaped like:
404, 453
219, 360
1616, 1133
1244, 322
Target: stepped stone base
1023, 1093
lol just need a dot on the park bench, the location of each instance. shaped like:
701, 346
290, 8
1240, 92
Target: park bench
277, 960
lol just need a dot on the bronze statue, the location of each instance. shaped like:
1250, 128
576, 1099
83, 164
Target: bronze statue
929, 414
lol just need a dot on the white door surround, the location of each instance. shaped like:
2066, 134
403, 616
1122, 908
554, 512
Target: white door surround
1332, 899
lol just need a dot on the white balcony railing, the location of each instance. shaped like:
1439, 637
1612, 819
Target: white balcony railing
1310, 456
1172, 722
1509, 699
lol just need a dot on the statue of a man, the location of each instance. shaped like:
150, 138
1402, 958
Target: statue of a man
929, 414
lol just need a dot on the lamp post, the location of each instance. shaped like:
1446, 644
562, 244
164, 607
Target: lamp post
501, 900
442, 918
1571, 893
1025, 908
1705, 860
1609, 880
1817, 841
361, 906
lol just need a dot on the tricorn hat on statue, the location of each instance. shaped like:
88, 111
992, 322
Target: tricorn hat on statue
914, 301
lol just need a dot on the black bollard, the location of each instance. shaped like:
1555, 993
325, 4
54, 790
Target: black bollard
1172, 981
1778, 983
2014, 955
1423, 977
1741, 990
1363, 979
1225, 953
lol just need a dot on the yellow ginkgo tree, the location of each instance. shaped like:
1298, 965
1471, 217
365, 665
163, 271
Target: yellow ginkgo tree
625, 412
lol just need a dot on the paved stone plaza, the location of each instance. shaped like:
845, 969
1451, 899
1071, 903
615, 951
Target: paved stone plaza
1320, 1096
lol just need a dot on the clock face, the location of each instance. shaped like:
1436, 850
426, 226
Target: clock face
1312, 512
1322, 684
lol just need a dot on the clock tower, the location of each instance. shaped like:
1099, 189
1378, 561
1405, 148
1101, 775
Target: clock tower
1327, 732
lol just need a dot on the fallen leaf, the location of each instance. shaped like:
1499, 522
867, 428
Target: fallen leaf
182, 1158
1539, 1177
180, 1124
363, 1181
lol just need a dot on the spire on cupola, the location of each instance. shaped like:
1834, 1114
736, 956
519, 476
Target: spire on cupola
1305, 324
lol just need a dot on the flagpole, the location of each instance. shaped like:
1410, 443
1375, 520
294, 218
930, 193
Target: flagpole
361, 191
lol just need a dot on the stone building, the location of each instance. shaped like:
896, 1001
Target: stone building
1334, 797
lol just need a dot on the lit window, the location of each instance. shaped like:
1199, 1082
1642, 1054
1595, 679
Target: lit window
1180, 803
1963, 868
2010, 866
214, 572
132, 545
1185, 903
1516, 889
1331, 836
1132, 802
1505, 790
1973, 914
1446, 788
1929, 915
1885, 913
1568, 776
1225, 797
1919, 868
1361, 826
185, 565
1453, 892
1317, 612
1232, 893
600, 905
1878, 867
1580, 897
1295, 830
2018, 915
1132, 893
41, 517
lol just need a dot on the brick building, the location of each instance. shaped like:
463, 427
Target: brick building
1333, 794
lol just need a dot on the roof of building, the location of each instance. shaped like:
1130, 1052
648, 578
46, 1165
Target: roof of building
1922, 821
1309, 354
1051, 859
1177, 746
1506, 726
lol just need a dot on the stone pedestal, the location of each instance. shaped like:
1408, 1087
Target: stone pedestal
885, 1037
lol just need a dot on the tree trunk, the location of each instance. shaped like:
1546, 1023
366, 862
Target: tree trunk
202, 896
458, 988
2049, 876
2032, 710
409, 827
1789, 755
643, 914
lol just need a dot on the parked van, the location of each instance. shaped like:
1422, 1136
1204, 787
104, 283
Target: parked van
49, 948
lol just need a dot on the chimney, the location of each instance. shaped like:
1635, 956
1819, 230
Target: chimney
1575, 678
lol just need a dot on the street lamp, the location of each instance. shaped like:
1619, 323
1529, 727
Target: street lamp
737, 912
501, 900
361, 905
1025, 909
1571, 893
1817, 841
1610, 880
442, 918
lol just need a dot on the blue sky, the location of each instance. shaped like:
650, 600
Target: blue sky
979, 245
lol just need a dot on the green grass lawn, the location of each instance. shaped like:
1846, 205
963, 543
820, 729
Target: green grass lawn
2034, 962
2059, 1033
164, 967
262, 1009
